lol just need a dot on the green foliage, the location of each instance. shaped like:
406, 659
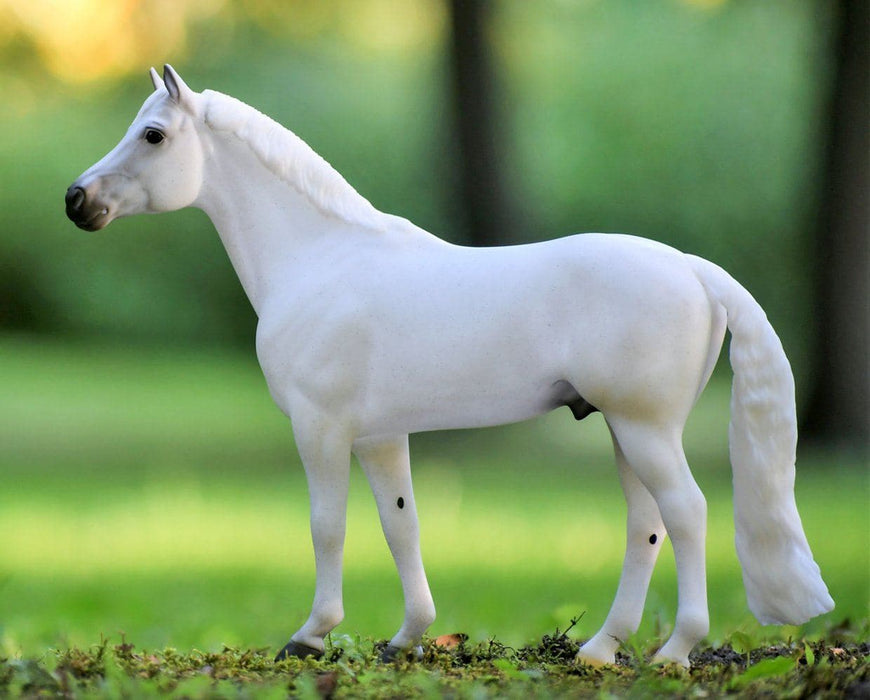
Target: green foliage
351, 668
768, 668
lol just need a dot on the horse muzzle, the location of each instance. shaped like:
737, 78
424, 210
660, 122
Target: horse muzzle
85, 211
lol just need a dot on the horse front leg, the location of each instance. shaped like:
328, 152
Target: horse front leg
386, 463
325, 452
645, 533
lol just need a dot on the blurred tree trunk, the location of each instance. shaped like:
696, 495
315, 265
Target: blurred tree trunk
839, 411
485, 209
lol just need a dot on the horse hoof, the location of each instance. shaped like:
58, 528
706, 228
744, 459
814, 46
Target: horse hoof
659, 660
297, 650
392, 653
592, 661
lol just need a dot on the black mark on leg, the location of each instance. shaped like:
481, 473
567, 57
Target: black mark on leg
400, 503
653, 538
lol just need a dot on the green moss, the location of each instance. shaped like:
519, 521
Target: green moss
831, 667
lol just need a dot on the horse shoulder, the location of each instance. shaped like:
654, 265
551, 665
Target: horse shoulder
316, 350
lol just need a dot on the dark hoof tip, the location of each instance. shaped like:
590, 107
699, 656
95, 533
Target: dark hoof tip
392, 654
297, 650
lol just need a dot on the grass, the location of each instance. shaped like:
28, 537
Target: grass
157, 495
450, 666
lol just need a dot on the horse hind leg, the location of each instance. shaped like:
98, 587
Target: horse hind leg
386, 463
645, 534
656, 457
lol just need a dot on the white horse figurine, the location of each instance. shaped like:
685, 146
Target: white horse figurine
371, 328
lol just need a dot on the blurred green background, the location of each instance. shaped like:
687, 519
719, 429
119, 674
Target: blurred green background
148, 484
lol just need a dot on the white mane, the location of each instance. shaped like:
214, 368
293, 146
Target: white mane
290, 159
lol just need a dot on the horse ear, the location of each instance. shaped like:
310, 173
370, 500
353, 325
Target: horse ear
175, 86
157, 81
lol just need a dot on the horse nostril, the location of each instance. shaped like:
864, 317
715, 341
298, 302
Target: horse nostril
75, 198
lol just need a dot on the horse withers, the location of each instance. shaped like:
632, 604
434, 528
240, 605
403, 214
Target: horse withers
371, 328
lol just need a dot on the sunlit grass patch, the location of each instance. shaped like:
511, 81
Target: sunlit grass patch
500, 562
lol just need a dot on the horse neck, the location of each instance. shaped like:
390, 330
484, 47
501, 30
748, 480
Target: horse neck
266, 225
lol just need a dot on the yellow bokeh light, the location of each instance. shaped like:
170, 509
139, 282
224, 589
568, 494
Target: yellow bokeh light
394, 25
369, 25
83, 40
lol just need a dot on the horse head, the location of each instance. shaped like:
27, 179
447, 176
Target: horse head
156, 167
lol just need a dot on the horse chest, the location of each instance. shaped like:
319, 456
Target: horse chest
313, 353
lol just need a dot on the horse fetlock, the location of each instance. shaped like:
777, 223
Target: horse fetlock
692, 625
327, 618
690, 628
323, 619
407, 636
421, 616
415, 625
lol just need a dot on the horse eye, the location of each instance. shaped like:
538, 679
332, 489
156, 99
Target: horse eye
153, 136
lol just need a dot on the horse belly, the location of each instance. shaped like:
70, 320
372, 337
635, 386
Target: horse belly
475, 406
420, 411
460, 374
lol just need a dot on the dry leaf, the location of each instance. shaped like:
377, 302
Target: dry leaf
450, 641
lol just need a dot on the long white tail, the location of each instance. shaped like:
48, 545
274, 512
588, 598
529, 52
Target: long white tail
783, 583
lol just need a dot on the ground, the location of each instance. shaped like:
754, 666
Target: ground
835, 666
